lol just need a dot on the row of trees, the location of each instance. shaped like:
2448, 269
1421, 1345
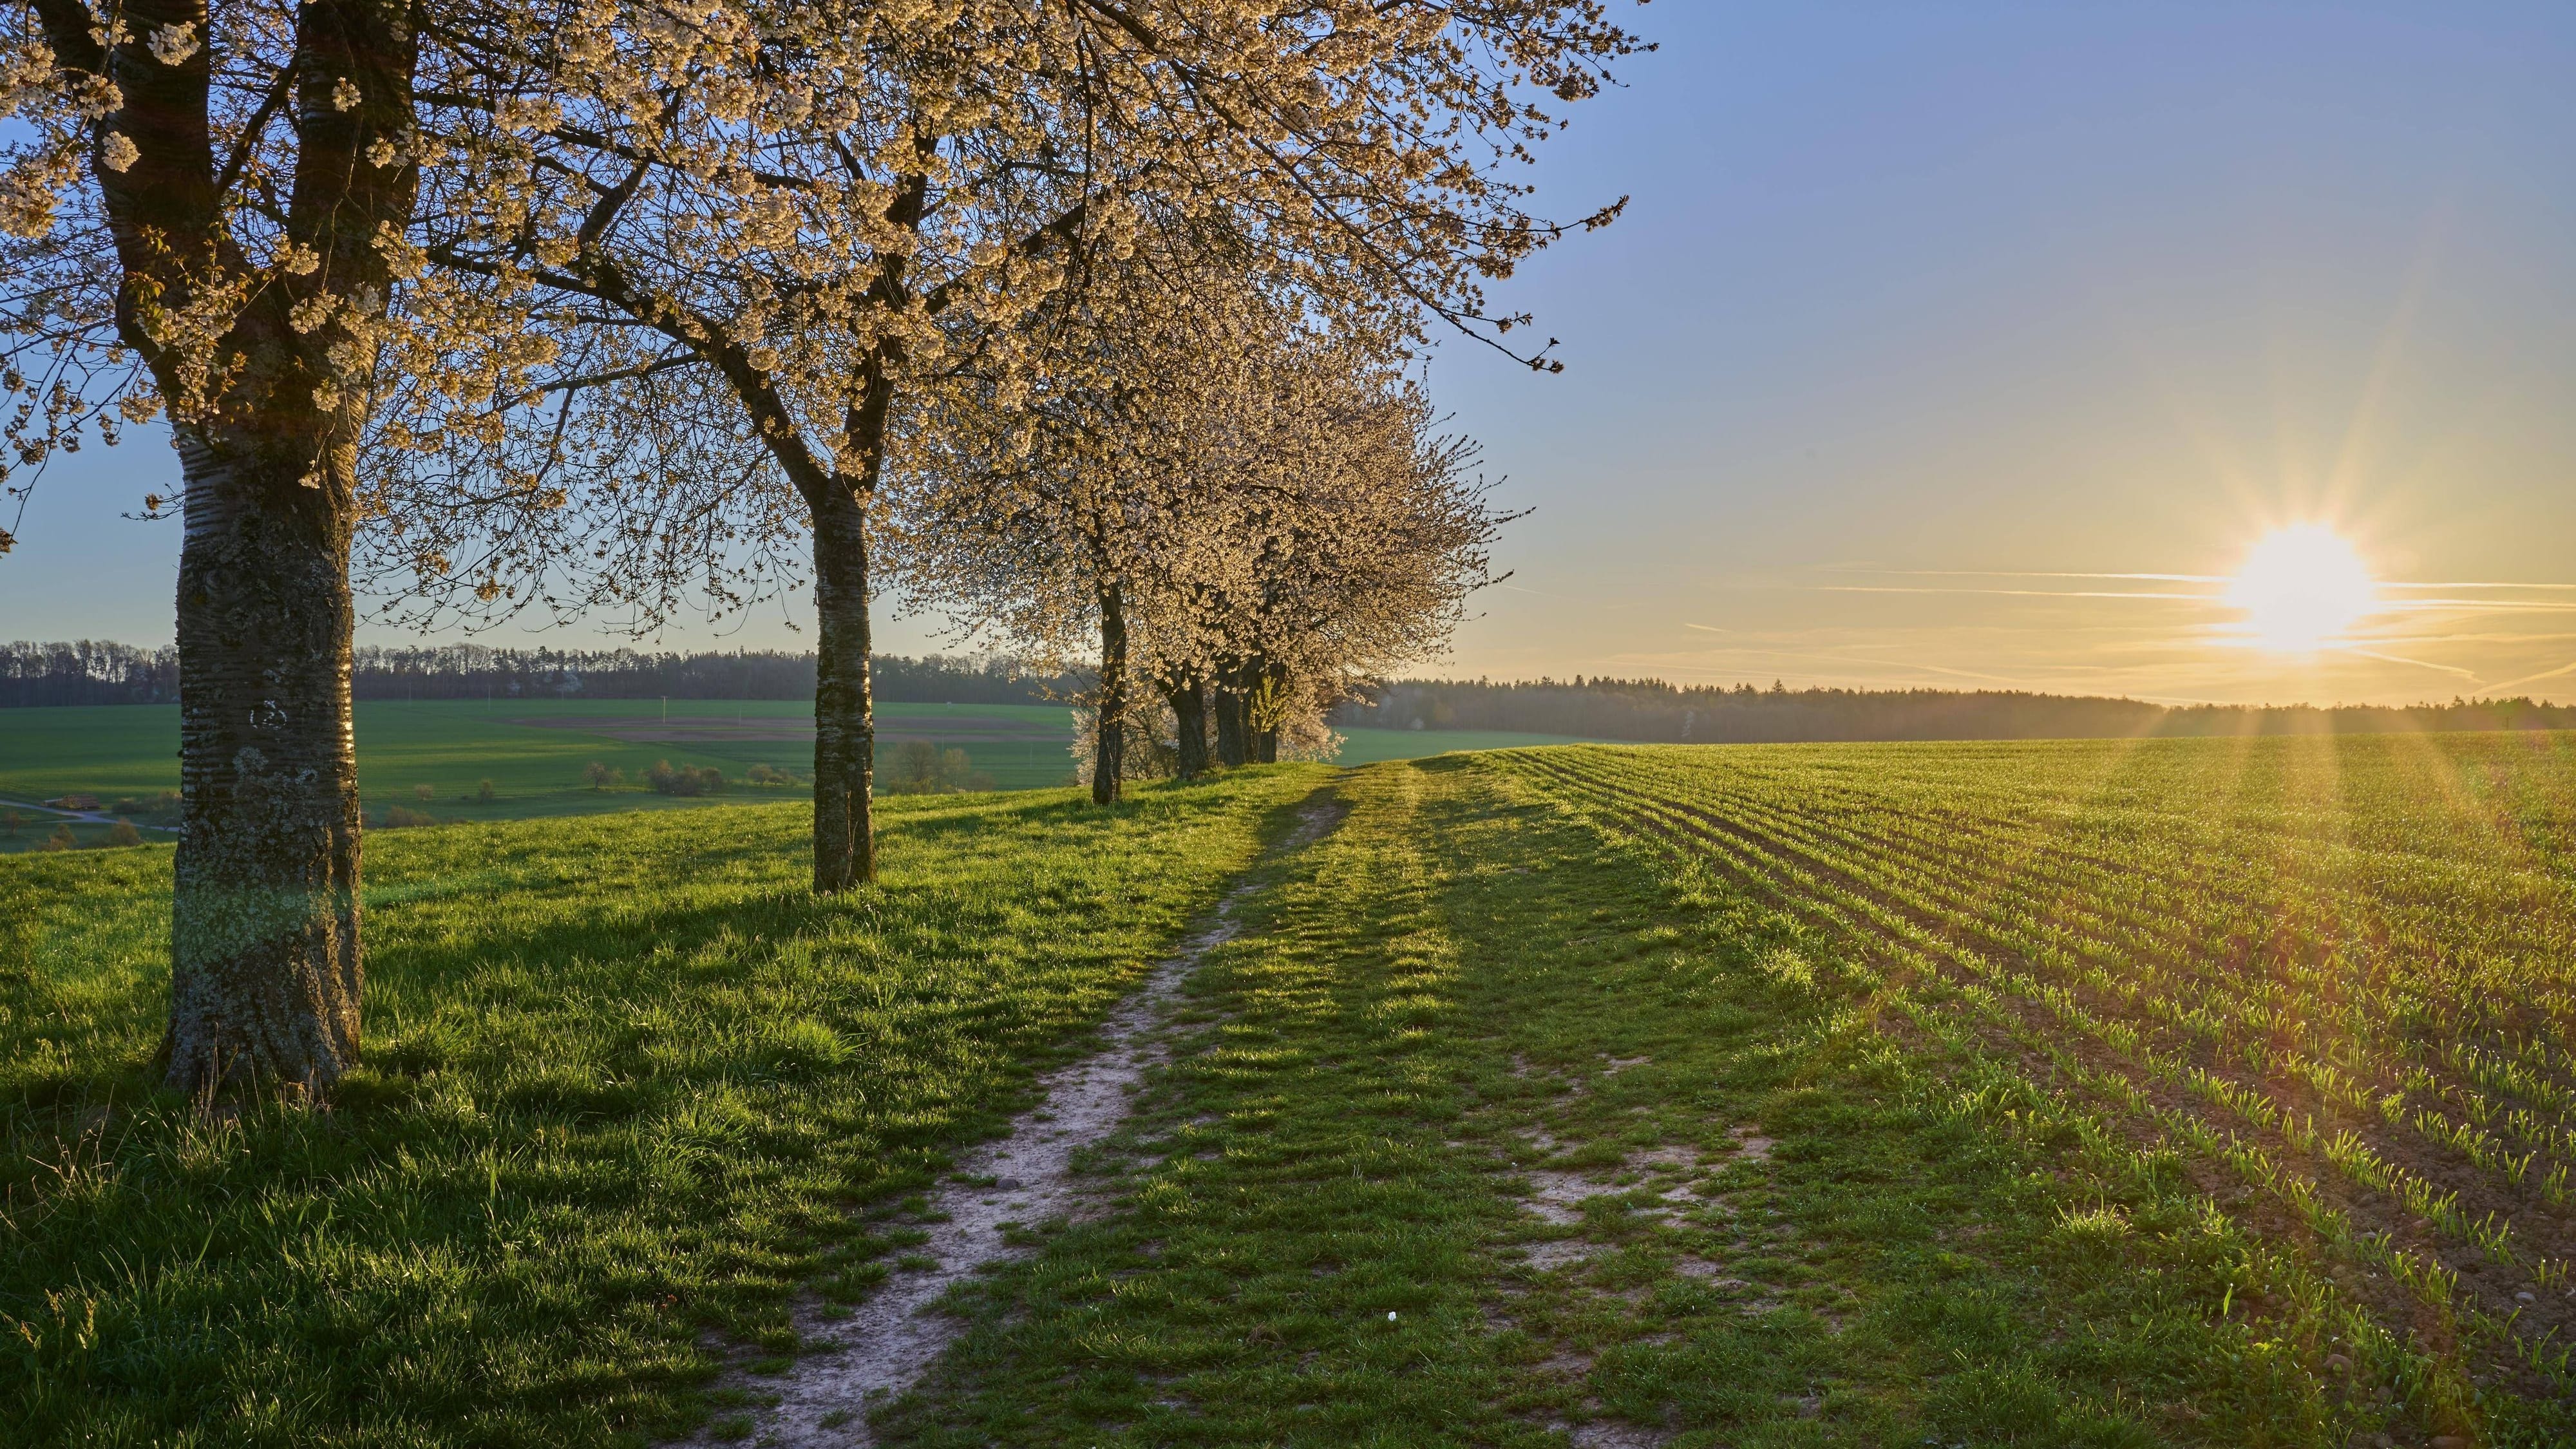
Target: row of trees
1657, 710
626, 304
90, 671
85, 671
1236, 513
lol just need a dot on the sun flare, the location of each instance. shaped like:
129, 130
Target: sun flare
2302, 588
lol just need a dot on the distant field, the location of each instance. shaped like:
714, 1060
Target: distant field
1369, 746
534, 751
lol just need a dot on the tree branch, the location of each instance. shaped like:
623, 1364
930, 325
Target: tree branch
278, 91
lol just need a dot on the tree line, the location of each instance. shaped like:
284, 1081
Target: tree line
1097, 320
89, 671
1657, 711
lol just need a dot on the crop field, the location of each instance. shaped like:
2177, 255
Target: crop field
1530, 1118
2330, 981
1367, 746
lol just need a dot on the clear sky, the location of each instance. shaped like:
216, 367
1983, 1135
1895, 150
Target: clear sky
1932, 326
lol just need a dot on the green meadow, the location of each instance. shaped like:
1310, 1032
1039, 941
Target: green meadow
535, 753
1373, 746
627, 1081
2188, 1092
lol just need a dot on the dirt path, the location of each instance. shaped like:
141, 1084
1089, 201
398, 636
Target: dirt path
888, 1341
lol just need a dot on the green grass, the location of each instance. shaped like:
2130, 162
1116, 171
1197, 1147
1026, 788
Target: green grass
36, 829
626, 1081
452, 746
2330, 980
2097, 1093
536, 769
1465, 997
1363, 746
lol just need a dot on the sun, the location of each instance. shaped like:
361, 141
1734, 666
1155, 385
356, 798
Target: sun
2302, 587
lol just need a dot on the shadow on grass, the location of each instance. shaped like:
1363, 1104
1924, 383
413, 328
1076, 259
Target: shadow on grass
625, 1080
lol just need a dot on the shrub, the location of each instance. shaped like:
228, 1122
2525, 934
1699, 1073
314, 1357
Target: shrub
11, 823
918, 767
123, 833
913, 769
397, 817
602, 776
483, 792
161, 806
771, 775
957, 772
684, 780
61, 839
424, 792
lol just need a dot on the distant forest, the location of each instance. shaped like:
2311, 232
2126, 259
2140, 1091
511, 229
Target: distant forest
1650, 709
90, 672
96, 672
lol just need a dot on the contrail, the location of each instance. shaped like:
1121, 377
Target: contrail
2007, 593
2038, 574
2469, 675
2535, 678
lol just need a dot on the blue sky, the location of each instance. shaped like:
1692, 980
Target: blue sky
1916, 301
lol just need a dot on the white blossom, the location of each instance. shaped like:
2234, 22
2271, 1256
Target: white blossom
172, 44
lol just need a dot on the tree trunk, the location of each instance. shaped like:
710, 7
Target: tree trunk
1109, 727
264, 969
1189, 708
845, 847
1273, 699
1233, 740
265, 975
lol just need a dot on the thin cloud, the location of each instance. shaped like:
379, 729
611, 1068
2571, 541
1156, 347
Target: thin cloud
2399, 584
2479, 606
2008, 593
2562, 669
2035, 574
2412, 640
2471, 630
1846, 661
2171, 578
2468, 674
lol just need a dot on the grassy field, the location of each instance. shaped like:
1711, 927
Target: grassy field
1539, 1113
534, 752
1373, 746
626, 1084
2114, 1094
